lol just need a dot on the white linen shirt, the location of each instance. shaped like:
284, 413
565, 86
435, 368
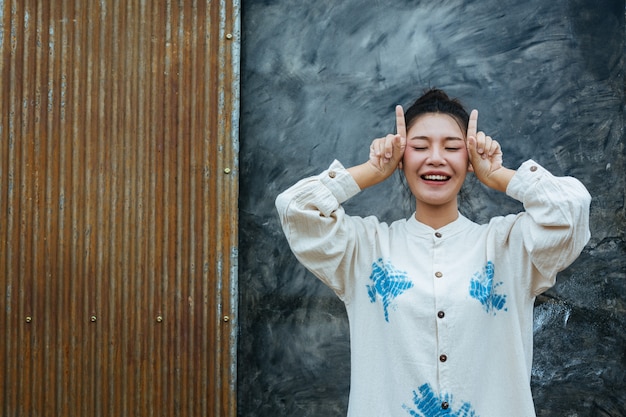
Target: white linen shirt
440, 320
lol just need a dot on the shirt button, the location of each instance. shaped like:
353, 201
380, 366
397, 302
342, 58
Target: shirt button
443, 358
437, 234
438, 274
533, 168
332, 174
445, 405
441, 314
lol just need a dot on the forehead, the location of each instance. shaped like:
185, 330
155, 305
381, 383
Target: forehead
435, 124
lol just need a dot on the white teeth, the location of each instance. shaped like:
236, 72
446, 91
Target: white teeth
436, 177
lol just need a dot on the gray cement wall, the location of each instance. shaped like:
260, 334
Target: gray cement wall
320, 80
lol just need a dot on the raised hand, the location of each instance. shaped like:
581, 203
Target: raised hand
485, 156
386, 153
385, 156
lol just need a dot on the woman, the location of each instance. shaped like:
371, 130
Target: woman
440, 308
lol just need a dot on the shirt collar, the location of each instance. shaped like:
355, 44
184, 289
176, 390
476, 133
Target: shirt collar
420, 229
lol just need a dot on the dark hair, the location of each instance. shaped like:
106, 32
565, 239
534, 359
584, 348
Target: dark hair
437, 101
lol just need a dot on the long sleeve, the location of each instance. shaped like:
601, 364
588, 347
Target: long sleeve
555, 226
316, 226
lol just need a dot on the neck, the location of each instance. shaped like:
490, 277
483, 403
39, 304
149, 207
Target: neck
436, 216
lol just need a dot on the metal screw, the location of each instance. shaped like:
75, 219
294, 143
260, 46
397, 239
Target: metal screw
94, 318
229, 36
159, 319
226, 319
29, 319
226, 170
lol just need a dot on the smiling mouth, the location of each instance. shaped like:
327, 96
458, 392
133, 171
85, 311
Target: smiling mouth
435, 177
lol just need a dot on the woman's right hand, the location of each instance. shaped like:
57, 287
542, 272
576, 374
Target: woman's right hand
385, 156
386, 153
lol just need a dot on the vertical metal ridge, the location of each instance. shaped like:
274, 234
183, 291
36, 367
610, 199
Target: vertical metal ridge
229, 361
58, 93
26, 203
5, 290
47, 288
153, 310
9, 264
194, 280
155, 150
69, 181
56, 202
89, 19
172, 310
208, 199
182, 212
20, 123
125, 48
227, 127
160, 365
117, 325
143, 323
78, 117
49, 250
43, 288
197, 186
176, 164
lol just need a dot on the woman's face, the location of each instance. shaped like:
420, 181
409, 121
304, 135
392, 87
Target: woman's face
435, 161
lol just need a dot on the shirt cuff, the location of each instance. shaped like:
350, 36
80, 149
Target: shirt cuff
526, 175
339, 182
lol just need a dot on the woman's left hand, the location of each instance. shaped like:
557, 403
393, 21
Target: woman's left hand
485, 157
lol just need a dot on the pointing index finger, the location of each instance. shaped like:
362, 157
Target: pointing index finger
472, 126
400, 123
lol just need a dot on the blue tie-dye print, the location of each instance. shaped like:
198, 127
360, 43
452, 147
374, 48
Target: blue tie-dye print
483, 289
428, 404
388, 284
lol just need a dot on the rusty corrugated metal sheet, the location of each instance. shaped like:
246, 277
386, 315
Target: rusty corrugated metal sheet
118, 202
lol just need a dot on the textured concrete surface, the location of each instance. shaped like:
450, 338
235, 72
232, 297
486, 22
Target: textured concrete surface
320, 80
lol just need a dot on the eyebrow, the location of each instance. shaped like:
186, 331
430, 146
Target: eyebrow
427, 138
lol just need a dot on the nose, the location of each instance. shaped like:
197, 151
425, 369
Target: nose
435, 157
